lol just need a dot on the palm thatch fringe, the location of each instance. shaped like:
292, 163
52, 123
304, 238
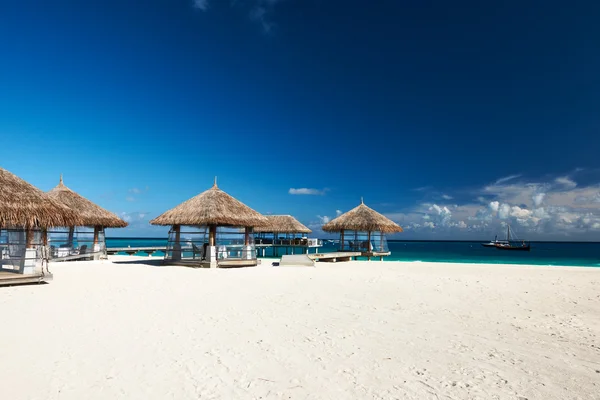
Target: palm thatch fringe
364, 219
212, 207
24, 205
90, 213
283, 224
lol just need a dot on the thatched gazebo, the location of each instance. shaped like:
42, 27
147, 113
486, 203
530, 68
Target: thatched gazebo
283, 230
363, 229
92, 216
25, 215
219, 231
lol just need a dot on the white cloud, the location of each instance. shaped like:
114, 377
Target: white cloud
447, 197
338, 213
566, 182
201, 4
506, 179
135, 191
551, 209
538, 198
503, 211
323, 219
494, 205
130, 198
307, 191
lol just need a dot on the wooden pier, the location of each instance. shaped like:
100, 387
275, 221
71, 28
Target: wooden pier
335, 257
134, 250
260, 249
9, 278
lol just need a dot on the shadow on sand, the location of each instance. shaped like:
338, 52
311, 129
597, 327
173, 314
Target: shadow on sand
152, 263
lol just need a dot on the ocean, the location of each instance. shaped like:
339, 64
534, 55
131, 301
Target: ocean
542, 253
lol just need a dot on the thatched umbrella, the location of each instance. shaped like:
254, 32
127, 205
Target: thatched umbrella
24, 206
362, 219
283, 224
211, 208
91, 214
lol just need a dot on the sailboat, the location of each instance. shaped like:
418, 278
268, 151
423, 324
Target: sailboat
494, 242
515, 245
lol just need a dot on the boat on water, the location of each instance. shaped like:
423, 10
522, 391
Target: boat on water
494, 242
509, 244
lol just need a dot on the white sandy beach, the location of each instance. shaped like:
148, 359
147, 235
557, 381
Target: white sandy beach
121, 329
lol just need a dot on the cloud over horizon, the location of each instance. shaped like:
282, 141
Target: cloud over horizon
555, 208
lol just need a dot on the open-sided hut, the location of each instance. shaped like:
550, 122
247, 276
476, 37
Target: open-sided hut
25, 215
282, 230
363, 229
88, 238
218, 233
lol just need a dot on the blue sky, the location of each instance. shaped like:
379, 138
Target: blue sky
452, 118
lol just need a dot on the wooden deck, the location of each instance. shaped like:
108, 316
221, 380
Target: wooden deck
227, 263
335, 257
8, 278
379, 254
133, 250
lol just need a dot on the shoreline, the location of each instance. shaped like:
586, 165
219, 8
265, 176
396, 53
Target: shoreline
272, 259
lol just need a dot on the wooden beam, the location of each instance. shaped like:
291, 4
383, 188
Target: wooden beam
96, 234
29, 238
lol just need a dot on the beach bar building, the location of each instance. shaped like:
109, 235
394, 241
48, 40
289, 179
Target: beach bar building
212, 229
26, 213
284, 233
363, 229
86, 240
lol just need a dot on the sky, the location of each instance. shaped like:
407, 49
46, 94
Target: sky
451, 118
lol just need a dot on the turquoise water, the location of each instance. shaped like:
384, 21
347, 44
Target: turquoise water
542, 253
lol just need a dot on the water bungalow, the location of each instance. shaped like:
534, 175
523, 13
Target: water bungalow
25, 215
363, 230
284, 231
218, 231
86, 240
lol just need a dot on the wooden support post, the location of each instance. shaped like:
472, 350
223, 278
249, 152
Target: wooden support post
247, 236
369, 245
71, 236
177, 229
212, 235
97, 230
342, 241
45, 237
176, 252
29, 238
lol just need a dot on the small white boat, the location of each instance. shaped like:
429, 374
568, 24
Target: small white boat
494, 242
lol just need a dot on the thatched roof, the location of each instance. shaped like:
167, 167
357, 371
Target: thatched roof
90, 213
362, 218
283, 223
212, 207
24, 205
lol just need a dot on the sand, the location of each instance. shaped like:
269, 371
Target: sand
122, 329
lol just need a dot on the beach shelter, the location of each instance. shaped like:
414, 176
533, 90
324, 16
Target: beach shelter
218, 231
282, 230
87, 238
363, 229
26, 213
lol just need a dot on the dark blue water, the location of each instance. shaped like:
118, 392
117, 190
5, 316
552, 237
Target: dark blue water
542, 253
